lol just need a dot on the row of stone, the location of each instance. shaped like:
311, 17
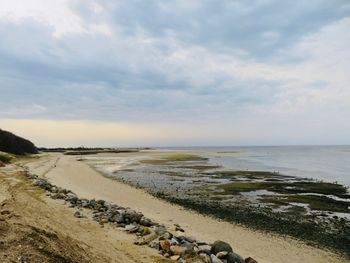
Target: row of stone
172, 244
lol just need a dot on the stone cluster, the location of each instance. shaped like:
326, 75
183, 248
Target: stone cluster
172, 244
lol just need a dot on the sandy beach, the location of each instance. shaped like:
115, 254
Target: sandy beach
36, 228
67, 172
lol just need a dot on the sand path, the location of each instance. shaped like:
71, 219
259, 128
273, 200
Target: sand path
67, 172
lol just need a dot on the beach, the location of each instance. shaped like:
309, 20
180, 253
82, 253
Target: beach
67, 172
35, 228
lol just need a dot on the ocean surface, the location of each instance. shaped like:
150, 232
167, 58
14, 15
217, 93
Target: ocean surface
326, 163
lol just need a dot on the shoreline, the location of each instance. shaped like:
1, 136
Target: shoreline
86, 182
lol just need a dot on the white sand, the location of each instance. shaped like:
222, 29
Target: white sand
87, 183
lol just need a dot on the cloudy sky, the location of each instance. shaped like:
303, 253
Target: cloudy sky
175, 72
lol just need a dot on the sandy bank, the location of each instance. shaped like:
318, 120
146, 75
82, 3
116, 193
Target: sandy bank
66, 172
35, 228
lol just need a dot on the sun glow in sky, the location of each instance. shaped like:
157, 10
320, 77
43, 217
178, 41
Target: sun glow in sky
181, 72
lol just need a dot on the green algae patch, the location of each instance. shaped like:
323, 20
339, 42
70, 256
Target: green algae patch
199, 167
171, 158
286, 188
249, 174
321, 188
238, 187
314, 202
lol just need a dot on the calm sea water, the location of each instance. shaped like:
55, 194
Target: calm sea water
327, 163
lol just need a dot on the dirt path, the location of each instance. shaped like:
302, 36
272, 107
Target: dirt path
35, 228
84, 181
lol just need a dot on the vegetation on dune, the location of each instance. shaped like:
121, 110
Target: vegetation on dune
5, 157
14, 144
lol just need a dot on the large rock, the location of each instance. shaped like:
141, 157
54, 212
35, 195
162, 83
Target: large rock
234, 258
250, 260
132, 216
146, 221
219, 246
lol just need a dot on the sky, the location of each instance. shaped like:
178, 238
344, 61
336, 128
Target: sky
175, 72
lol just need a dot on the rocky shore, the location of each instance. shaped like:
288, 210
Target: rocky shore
171, 243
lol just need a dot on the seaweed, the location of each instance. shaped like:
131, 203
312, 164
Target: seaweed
286, 188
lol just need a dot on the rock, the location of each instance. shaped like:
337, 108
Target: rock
117, 218
221, 254
145, 231
101, 202
42, 183
144, 221
71, 198
131, 228
132, 216
92, 203
78, 214
53, 189
173, 241
214, 259
184, 239
178, 228
85, 203
178, 250
250, 260
154, 244
205, 258
147, 239
166, 235
160, 230
204, 251
175, 257
165, 245
219, 246
202, 244
2, 164
234, 258
103, 221
58, 196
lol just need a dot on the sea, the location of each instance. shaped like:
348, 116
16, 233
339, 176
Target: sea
324, 163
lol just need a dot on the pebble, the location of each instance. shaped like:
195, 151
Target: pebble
214, 259
131, 228
78, 214
175, 257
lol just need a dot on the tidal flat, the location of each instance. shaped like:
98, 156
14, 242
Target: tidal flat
314, 211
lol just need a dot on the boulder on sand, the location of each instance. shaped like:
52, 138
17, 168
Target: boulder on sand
219, 246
